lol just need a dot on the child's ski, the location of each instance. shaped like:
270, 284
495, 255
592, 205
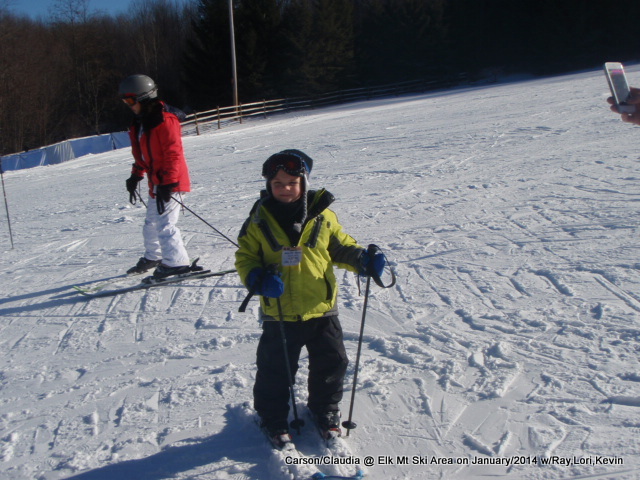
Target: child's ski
337, 447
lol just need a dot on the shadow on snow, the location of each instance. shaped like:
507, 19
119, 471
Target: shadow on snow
239, 442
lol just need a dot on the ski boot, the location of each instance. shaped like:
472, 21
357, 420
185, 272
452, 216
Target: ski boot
163, 271
279, 438
142, 266
328, 424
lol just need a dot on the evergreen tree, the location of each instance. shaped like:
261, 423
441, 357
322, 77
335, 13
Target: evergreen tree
256, 26
318, 46
292, 59
401, 39
332, 47
579, 33
207, 61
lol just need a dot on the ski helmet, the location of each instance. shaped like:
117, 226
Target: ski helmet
140, 87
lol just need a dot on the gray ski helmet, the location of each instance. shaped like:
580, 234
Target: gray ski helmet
139, 87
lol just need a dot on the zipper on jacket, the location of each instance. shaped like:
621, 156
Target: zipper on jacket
150, 157
313, 238
271, 239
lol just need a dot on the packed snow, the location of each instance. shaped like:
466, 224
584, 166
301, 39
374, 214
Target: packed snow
508, 348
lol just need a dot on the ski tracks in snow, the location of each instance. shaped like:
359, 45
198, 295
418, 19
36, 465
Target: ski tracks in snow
480, 366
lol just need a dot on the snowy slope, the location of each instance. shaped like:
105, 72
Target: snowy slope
510, 213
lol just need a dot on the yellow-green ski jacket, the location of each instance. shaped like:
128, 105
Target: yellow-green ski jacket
307, 268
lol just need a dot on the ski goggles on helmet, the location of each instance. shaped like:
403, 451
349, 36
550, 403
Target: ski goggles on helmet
133, 98
130, 100
289, 162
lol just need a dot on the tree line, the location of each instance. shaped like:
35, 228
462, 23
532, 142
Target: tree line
59, 76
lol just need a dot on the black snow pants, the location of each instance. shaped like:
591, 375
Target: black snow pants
327, 367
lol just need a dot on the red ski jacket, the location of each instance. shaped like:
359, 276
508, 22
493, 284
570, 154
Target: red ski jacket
156, 145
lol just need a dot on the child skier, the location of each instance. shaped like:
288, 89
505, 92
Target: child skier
287, 249
156, 145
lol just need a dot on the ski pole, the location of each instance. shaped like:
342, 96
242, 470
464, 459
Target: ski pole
196, 215
297, 422
6, 205
205, 222
372, 250
137, 194
349, 424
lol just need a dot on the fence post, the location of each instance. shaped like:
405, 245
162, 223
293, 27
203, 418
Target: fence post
240, 113
219, 118
195, 116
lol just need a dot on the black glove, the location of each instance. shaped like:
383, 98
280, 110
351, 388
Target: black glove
163, 195
132, 186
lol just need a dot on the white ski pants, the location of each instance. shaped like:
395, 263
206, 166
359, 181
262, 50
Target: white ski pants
162, 238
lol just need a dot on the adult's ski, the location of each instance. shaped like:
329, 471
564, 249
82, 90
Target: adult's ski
149, 282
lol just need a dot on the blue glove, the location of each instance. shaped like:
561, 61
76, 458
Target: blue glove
372, 264
265, 283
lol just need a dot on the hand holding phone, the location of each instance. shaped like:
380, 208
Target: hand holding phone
619, 86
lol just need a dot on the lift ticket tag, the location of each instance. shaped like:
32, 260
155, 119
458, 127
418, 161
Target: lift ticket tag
291, 256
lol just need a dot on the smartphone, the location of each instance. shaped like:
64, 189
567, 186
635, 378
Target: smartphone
619, 86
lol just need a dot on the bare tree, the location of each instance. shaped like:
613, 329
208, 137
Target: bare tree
86, 47
70, 11
158, 30
25, 79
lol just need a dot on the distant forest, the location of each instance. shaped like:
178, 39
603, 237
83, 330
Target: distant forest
59, 77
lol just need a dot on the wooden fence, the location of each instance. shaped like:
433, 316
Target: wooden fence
201, 122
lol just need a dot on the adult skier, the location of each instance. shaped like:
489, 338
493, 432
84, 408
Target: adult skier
156, 145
